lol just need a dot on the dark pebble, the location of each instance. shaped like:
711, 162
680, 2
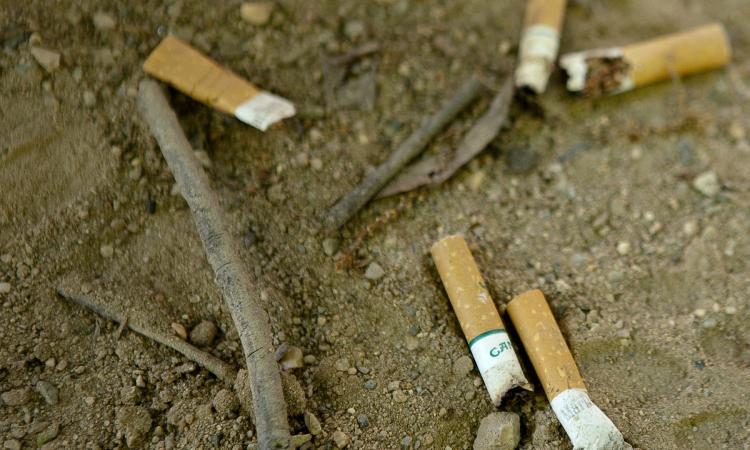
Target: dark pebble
520, 160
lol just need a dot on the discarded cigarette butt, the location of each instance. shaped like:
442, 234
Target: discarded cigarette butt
191, 72
619, 69
540, 41
586, 425
484, 330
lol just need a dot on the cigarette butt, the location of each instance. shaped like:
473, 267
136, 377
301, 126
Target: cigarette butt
540, 41
619, 69
586, 425
189, 71
484, 330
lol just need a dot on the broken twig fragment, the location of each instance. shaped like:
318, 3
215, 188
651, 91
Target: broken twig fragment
586, 425
250, 319
619, 69
484, 330
177, 63
222, 370
439, 168
352, 202
540, 42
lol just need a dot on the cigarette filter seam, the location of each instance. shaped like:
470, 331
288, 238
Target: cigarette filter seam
586, 425
481, 323
188, 70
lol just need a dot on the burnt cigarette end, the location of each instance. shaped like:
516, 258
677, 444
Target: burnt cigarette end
620, 69
480, 321
596, 75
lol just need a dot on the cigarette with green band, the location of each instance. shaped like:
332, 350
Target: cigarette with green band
480, 321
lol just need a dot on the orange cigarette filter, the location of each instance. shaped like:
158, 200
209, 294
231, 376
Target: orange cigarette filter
480, 321
198, 76
586, 425
620, 69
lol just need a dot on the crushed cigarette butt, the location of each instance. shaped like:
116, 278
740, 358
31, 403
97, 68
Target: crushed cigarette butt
180, 65
484, 330
619, 69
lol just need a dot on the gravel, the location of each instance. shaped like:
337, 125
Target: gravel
498, 431
135, 423
204, 333
707, 184
374, 271
48, 391
16, 397
340, 438
463, 366
312, 423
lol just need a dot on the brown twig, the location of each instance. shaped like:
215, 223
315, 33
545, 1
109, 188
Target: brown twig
439, 168
250, 319
352, 202
222, 370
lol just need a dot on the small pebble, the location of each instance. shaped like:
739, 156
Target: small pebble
330, 246
4, 288
520, 160
374, 271
48, 59
12, 444
203, 334
406, 442
48, 391
89, 401
104, 21
399, 396
412, 343
707, 184
107, 251
89, 98
690, 228
256, 13
16, 397
179, 330
463, 366
316, 164
292, 358
363, 421
276, 194
340, 439
623, 248
370, 384
354, 29
312, 423
498, 431
341, 364
49, 434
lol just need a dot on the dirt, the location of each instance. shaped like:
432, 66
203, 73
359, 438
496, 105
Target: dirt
648, 277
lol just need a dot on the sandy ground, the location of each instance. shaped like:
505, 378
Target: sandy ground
590, 200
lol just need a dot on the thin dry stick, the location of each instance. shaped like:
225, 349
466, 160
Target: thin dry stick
249, 317
437, 169
222, 370
408, 150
